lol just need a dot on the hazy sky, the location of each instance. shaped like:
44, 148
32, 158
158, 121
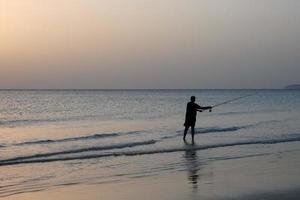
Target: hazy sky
149, 43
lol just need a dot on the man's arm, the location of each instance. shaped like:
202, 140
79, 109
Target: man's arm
201, 108
205, 107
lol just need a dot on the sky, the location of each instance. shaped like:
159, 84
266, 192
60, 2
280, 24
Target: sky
149, 44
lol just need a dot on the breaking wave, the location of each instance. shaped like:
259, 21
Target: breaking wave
218, 129
82, 150
30, 121
87, 137
208, 130
42, 158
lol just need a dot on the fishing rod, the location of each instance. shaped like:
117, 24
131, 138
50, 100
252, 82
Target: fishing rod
229, 101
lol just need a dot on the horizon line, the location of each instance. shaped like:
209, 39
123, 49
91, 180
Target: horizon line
57, 89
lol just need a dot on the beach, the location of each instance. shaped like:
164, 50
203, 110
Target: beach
256, 177
128, 145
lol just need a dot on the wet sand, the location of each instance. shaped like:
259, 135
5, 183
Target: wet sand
274, 176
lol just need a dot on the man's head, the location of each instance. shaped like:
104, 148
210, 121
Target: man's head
193, 98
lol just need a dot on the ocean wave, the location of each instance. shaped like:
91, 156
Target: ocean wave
18, 122
214, 129
39, 158
218, 129
87, 137
74, 151
233, 128
28, 121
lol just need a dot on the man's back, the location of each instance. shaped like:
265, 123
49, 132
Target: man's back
191, 113
191, 110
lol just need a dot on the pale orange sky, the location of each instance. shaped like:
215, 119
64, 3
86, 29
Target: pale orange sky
149, 43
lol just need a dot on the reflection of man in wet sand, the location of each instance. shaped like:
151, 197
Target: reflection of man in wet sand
190, 116
192, 165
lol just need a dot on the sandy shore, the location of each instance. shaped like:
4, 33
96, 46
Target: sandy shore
274, 176
164, 187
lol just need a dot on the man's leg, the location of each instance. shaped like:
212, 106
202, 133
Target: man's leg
193, 133
185, 132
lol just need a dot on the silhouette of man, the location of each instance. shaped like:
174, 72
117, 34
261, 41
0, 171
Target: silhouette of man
190, 116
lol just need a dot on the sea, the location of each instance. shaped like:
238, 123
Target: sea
58, 138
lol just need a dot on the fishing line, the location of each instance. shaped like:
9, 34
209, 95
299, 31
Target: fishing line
229, 101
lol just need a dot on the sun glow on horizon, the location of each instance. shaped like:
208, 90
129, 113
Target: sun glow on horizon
148, 44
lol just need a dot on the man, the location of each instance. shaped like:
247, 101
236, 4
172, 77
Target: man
190, 116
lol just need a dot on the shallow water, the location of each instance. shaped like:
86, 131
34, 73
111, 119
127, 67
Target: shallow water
58, 138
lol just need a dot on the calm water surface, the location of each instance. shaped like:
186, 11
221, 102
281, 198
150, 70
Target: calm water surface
57, 138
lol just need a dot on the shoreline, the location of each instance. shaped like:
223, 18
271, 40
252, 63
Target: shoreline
263, 177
